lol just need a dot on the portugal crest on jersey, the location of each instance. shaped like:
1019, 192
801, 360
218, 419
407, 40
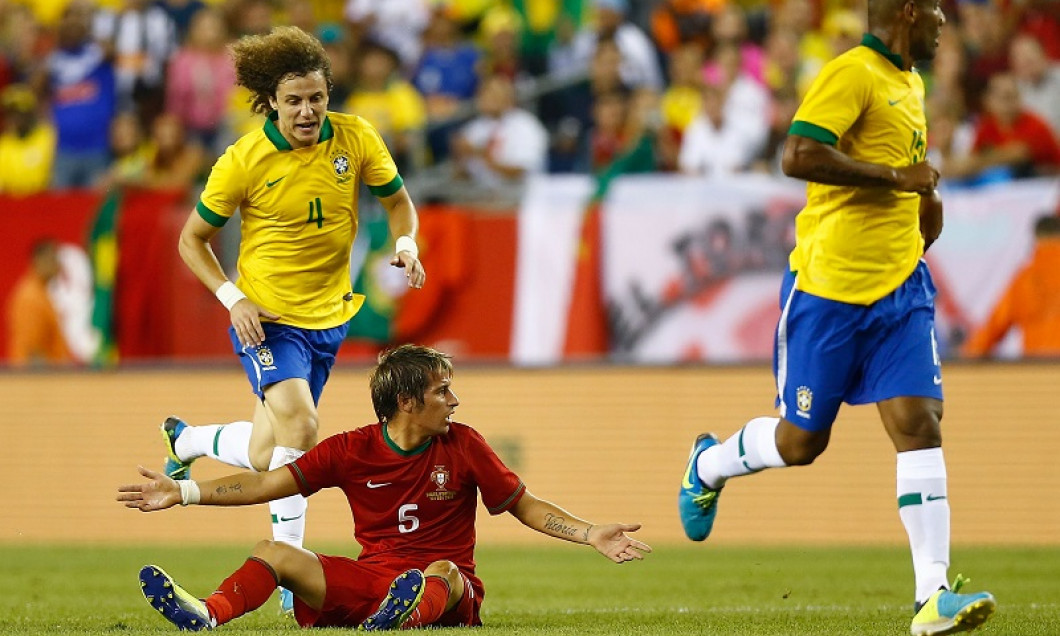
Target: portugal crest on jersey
440, 478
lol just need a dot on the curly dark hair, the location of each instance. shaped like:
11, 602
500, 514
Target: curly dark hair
263, 61
405, 371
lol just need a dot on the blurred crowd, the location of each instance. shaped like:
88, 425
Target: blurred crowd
473, 95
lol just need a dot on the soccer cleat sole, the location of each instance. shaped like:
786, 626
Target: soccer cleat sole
161, 593
401, 601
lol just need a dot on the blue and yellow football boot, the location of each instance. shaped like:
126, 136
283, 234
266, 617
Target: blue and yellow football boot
697, 504
949, 612
174, 468
173, 602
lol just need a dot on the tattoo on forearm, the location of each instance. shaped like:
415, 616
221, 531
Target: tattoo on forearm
225, 489
587, 529
559, 525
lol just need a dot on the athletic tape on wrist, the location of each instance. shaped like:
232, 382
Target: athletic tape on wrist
406, 243
189, 492
229, 294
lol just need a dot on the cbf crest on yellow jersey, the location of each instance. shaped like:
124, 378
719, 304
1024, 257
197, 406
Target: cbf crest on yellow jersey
299, 215
858, 244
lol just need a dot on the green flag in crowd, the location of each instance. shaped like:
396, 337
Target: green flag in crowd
103, 254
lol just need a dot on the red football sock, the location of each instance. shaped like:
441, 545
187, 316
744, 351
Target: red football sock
432, 605
244, 591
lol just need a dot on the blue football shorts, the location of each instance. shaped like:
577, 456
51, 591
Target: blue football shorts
828, 352
290, 352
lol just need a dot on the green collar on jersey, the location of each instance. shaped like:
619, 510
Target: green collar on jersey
281, 143
400, 451
877, 45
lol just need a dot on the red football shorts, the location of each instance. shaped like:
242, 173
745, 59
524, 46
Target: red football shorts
355, 589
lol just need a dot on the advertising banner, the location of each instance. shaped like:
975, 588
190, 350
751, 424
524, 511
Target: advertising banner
692, 266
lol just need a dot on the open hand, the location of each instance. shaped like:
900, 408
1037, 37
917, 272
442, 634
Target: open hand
611, 541
158, 494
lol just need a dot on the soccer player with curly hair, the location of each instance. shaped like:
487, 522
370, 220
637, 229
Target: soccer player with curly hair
294, 182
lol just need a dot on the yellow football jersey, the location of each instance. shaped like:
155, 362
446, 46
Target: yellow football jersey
299, 215
858, 244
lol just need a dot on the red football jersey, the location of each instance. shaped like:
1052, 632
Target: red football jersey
412, 507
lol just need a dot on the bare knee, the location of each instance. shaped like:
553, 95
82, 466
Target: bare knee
921, 431
292, 413
306, 431
297, 429
448, 571
799, 447
912, 423
276, 555
445, 569
799, 455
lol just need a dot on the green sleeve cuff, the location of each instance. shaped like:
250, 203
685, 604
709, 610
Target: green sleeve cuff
210, 216
508, 502
813, 131
387, 189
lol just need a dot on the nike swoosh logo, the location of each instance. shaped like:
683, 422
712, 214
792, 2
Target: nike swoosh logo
686, 481
895, 102
291, 518
935, 498
937, 380
269, 184
379, 485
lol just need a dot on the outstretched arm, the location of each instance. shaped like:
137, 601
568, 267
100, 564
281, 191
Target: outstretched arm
240, 489
609, 539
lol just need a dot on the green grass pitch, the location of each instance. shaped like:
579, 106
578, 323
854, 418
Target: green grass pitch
558, 589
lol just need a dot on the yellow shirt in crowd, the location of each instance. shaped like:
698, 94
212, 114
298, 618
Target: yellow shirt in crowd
399, 108
26, 162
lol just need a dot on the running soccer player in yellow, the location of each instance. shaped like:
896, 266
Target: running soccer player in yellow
857, 307
295, 183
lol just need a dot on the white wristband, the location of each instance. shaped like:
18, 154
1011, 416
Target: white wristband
406, 243
189, 492
229, 294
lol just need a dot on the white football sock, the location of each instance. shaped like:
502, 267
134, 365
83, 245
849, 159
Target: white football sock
228, 443
925, 512
749, 450
288, 514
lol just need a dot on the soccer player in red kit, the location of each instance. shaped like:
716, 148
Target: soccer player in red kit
411, 481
